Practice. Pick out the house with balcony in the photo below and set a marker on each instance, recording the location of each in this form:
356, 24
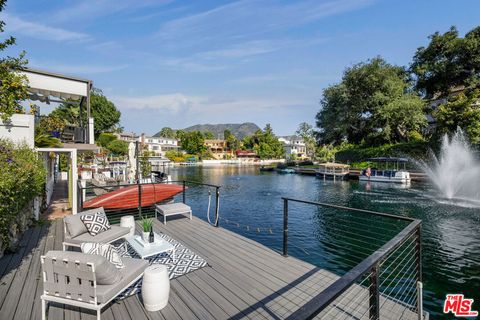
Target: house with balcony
218, 148
158, 145
127, 136
294, 147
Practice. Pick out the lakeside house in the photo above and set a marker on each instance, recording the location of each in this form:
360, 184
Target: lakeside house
127, 136
158, 145
247, 156
437, 100
294, 147
218, 148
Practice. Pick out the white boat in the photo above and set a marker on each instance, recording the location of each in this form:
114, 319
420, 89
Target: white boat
394, 174
332, 170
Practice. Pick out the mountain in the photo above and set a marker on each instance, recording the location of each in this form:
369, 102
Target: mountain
239, 130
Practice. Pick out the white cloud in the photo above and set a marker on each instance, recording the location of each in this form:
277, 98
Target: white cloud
90, 10
41, 31
258, 47
178, 110
241, 19
178, 103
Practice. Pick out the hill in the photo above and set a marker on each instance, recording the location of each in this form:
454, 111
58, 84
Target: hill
239, 130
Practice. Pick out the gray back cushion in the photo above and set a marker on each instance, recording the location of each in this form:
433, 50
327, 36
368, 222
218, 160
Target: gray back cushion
105, 272
75, 225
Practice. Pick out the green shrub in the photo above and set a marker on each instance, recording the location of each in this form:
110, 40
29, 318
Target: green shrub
412, 150
22, 178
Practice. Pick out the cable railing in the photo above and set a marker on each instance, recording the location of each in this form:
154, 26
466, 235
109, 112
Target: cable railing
142, 209
376, 255
385, 283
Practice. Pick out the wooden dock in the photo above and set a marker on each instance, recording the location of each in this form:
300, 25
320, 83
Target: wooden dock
244, 280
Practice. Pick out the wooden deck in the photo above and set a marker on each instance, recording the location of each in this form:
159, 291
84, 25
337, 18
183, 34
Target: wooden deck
244, 279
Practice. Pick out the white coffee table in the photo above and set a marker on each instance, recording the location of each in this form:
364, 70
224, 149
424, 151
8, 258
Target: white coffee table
146, 250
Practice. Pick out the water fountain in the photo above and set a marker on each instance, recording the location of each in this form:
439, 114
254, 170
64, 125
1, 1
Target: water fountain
455, 171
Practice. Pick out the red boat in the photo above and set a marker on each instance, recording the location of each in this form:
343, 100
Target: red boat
127, 198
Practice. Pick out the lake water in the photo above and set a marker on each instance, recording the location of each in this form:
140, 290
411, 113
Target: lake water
251, 205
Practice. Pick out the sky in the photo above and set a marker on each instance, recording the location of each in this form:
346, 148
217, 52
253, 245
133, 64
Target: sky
179, 63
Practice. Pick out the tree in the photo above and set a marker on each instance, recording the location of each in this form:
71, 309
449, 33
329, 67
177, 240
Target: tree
118, 147
105, 115
364, 106
448, 61
105, 138
232, 141
460, 111
331, 120
208, 135
305, 131
13, 86
145, 166
167, 132
179, 134
193, 142
265, 144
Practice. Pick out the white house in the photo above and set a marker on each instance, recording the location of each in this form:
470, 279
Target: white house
158, 145
294, 147
127, 136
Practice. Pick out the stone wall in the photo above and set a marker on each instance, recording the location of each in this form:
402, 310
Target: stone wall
22, 222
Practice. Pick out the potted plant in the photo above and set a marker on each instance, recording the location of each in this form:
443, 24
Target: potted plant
147, 226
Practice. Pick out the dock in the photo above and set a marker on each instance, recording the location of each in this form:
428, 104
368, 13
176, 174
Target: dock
243, 280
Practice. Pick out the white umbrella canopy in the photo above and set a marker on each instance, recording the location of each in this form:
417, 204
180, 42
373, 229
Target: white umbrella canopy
132, 162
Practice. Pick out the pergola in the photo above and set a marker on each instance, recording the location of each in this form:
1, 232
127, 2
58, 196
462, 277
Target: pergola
49, 87
45, 86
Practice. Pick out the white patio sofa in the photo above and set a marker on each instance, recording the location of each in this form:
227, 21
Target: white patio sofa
85, 280
75, 232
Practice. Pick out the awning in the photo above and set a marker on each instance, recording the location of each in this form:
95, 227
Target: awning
44, 84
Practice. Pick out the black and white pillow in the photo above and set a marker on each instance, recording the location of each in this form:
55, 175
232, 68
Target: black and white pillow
103, 249
95, 223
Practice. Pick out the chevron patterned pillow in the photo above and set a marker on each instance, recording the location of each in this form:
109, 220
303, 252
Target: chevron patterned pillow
95, 223
103, 249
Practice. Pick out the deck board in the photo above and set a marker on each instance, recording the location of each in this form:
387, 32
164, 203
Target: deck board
243, 279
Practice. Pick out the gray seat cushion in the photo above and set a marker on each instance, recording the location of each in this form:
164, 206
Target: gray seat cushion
173, 208
75, 225
108, 236
105, 272
133, 269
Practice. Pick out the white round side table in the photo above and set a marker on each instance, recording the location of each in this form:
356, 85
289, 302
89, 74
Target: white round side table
129, 222
155, 287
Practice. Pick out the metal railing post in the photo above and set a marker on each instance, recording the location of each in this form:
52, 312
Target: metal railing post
420, 300
418, 241
183, 193
217, 206
374, 302
285, 227
139, 199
